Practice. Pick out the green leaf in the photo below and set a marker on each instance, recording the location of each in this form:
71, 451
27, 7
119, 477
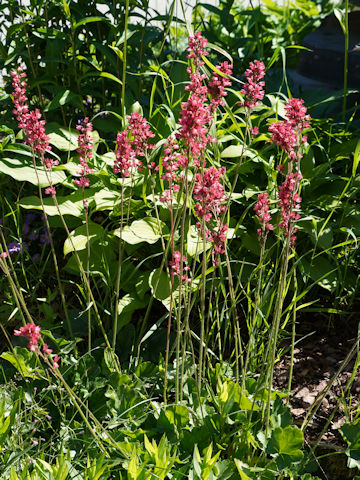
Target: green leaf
21, 169
89, 20
351, 434
160, 284
195, 244
356, 158
127, 305
286, 444
236, 151
62, 138
63, 97
24, 361
145, 230
79, 238
70, 205
240, 465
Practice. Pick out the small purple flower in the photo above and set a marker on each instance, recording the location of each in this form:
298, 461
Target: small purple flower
45, 237
36, 257
33, 235
14, 247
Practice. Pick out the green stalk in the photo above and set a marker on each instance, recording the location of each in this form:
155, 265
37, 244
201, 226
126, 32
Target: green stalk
63, 301
292, 338
120, 253
346, 57
86, 212
124, 62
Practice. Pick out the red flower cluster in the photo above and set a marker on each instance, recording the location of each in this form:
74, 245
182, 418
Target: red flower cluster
296, 114
253, 88
125, 155
85, 145
32, 333
217, 85
30, 121
209, 192
131, 143
141, 134
178, 266
197, 48
284, 135
287, 134
172, 162
290, 204
262, 211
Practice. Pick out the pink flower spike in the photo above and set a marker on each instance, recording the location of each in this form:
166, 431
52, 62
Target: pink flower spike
262, 211
253, 88
85, 145
3, 255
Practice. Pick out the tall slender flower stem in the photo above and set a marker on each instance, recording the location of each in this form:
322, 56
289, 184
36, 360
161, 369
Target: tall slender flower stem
56, 266
120, 254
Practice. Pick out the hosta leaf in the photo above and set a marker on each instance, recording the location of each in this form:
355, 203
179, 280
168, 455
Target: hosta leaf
64, 139
145, 230
21, 169
70, 205
79, 238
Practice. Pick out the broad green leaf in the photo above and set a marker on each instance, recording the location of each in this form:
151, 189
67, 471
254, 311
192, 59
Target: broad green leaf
351, 434
79, 237
70, 205
21, 169
106, 199
236, 151
64, 139
160, 284
127, 306
195, 243
286, 444
145, 230
24, 361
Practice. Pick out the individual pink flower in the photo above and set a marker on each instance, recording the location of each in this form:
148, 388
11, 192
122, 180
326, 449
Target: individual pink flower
50, 191
253, 88
290, 205
46, 349
85, 145
262, 211
178, 267
32, 333
3, 255
56, 361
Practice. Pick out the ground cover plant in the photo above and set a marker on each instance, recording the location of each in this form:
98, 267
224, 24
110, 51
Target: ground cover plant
158, 254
